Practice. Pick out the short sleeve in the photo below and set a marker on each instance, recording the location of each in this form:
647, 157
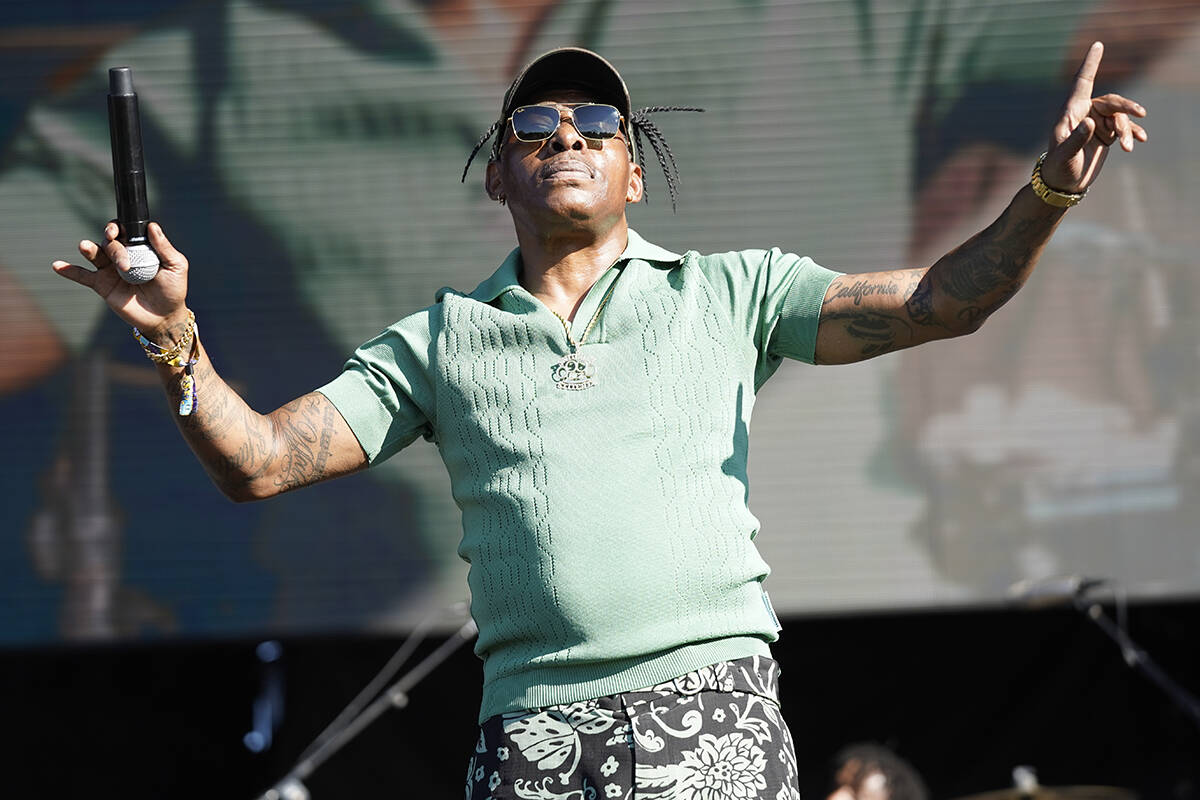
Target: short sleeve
385, 392
791, 308
773, 297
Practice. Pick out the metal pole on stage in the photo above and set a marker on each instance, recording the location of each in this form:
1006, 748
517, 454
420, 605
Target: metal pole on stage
1076, 590
1138, 659
334, 738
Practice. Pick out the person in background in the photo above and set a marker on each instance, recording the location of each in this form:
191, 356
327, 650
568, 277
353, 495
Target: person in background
867, 771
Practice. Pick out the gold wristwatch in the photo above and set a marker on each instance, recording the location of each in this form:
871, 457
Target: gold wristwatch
1048, 195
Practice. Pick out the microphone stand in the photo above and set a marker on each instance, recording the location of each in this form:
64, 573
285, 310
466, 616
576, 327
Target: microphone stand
1137, 658
292, 787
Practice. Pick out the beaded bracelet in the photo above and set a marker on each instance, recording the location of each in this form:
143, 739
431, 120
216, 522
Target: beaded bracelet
159, 354
174, 357
187, 380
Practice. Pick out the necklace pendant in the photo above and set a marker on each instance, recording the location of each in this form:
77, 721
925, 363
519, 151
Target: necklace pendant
573, 373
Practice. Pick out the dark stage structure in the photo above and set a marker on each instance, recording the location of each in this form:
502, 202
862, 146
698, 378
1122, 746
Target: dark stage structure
964, 696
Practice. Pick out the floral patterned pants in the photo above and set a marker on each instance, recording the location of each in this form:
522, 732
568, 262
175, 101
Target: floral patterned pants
713, 734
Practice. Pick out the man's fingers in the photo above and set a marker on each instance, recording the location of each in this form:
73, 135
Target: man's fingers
1124, 130
1116, 104
116, 254
84, 277
1119, 127
1063, 129
1106, 130
1110, 129
170, 257
1078, 138
1117, 113
1086, 76
93, 253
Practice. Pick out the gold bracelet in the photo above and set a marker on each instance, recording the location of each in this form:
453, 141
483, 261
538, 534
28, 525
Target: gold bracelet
1051, 196
174, 356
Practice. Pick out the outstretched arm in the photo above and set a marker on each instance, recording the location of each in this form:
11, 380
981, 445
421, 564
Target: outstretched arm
249, 455
868, 314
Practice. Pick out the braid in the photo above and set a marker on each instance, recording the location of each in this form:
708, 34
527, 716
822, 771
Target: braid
659, 109
482, 140
666, 158
658, 144
641, 151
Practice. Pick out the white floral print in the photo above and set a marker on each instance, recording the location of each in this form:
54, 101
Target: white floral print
713, 734
729, 766
552, 736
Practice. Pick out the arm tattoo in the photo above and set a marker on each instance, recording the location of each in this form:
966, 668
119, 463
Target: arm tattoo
995, 260
233, 437
864, 288
863, 315
920, 304
239, 447
876, 332
305, 430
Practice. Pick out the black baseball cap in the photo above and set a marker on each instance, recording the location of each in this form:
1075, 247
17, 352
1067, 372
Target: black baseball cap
569, 68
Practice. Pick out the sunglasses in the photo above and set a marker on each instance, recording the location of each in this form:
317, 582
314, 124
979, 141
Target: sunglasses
598, 121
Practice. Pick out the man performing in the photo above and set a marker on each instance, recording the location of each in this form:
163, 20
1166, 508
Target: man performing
591, 401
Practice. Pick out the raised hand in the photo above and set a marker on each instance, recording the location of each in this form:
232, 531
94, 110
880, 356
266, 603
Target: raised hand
157, 307
1086, 129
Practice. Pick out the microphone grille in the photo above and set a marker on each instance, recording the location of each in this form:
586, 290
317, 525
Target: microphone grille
143, 264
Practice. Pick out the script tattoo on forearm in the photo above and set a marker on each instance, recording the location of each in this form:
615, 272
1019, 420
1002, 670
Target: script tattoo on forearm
231, 440
305, 430
251, 455
876, 331
865, 288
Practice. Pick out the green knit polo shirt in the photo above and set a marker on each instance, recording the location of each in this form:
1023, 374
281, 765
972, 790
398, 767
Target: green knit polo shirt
606, 527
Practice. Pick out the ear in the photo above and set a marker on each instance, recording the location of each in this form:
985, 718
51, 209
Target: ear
492, 182
633, 192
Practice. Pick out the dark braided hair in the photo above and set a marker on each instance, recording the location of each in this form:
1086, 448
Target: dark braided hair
482, 141
639, 123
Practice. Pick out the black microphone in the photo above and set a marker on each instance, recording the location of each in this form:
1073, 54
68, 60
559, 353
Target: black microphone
1053, 591
129, 176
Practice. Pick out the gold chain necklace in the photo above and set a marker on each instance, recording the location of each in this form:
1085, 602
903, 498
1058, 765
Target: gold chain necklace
574, 372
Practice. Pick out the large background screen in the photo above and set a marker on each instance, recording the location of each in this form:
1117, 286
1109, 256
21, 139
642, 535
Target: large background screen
306, 157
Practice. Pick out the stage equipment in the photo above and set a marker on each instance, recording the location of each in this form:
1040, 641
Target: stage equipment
268, 706
1057, 793
1026, 787
1075, 589
355, 718
129, 176
1058, 590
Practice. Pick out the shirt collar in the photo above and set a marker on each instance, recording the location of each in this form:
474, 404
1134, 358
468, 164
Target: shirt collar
647, 251
505, 277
